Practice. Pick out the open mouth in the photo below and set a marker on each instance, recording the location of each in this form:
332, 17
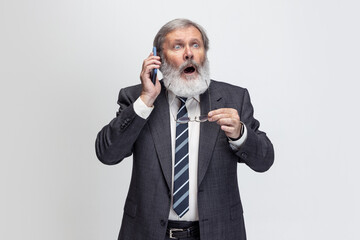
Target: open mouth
189, 70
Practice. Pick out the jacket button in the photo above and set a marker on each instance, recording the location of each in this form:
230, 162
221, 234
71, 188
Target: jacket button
244, 155
162, 222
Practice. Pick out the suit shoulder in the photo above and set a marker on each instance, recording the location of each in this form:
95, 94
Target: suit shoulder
132, 89
131, 92
227, 87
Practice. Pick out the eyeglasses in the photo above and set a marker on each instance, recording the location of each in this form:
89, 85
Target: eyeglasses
201, 118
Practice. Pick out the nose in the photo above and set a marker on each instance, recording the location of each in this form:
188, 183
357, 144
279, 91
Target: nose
188, 55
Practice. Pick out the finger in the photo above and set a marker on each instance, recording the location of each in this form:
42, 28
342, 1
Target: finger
224, 115
222, 111
228, 130
228, 122
151, 55
149, 68
145, 74
217, 117
150, 58
150, 64
231, 132
151, 61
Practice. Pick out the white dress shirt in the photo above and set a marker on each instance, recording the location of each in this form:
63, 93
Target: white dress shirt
193, 108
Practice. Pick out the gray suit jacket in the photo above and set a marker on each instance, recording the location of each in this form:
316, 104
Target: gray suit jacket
147, 205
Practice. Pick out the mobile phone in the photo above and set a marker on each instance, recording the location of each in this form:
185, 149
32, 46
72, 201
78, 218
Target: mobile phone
154, 71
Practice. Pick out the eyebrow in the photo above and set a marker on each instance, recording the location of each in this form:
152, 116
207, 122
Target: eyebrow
191, 40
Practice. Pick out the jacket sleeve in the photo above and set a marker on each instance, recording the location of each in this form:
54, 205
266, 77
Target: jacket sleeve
115, 141
257, 151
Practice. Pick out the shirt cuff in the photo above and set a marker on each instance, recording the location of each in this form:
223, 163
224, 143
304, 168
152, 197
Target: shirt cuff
235, 145
141, 109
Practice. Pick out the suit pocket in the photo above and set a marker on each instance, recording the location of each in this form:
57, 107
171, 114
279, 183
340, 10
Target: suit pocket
236, 211
130, 208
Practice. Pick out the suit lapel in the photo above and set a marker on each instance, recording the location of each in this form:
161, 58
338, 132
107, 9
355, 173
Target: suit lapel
208, 130
159, 124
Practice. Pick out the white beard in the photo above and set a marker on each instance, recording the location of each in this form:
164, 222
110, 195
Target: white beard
189, 87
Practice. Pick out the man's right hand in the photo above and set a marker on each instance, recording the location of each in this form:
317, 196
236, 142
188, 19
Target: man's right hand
149, 91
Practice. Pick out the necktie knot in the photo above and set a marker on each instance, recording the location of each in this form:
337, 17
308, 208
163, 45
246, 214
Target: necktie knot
182, 100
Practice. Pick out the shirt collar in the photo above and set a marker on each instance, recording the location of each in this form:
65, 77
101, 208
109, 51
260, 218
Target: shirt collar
172, 97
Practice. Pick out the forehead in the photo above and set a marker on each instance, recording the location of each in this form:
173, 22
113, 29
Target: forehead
184, 34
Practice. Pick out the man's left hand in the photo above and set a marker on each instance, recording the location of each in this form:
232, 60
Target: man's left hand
228, 119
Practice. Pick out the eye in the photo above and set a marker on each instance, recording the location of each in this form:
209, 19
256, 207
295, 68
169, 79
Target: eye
177, 47
195, 45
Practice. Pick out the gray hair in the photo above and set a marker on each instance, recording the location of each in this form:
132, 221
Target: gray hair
174, 25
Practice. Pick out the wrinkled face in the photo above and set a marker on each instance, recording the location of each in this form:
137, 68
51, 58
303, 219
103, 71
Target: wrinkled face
182, 45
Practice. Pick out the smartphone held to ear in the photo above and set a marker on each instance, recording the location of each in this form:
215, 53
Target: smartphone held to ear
154, 71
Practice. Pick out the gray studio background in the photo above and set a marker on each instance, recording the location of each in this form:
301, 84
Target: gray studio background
62, 64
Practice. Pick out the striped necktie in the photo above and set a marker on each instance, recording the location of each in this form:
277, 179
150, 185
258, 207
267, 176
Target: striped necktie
181, 166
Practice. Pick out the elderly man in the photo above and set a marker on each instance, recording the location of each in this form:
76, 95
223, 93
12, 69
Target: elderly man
186, 134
